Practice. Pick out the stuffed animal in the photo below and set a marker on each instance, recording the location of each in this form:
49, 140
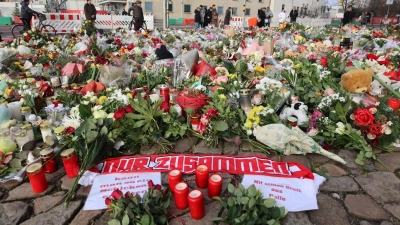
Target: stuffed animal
298, 110
378, 87
357, 81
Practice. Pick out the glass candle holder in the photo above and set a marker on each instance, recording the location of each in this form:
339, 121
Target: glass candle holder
29, 131
36, 177
59, 132
5, 133
164, 92
48, 160
214, 185
25, 112
71, 162
15, 110
195, 121
45, 130
196, 204
292, 121
245, 99
181, 195
201, 176
174, 177
21, 137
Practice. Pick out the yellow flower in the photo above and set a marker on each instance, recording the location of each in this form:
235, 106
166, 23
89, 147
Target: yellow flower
129, 95
103, 99
259, 69
221, 96
232, 76
298, 66
248, 123
16, 63
257, 120
92, 65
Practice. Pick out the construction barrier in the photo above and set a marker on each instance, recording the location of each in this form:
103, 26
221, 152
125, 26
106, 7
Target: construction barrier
110, 22
239, 22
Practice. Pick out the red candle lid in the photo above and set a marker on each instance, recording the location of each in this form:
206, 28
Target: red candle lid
215, 178
194, 194
174, 173
202, 168
181, 186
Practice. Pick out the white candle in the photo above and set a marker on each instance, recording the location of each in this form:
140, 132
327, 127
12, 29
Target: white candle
55, 81
15, 110
178, 109
64, 80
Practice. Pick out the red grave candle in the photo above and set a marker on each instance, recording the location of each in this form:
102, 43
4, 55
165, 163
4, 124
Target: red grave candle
201, 176
35, 173
196, 204
174, 177
71, 162
214, 185
181, 195
49, 162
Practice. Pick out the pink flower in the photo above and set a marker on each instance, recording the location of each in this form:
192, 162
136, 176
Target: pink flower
222, 79
116, 194
317, 113
329, 91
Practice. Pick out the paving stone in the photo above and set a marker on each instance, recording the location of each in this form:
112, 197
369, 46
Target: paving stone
184, 145
386, 223
150, 150
9, 185
103, 220
45, 203
349, 156
175, 211
297, 158
225, 182
364, 207
393, 209
296, 218
57, 216
1, 194
24, 191
201, 148
85, 216
246, 146
230, 148
318, 158
330, 212
14, 212
390, 160
365, 223
333, 170
340, 184
211, 210
67, 183
84, 191
384, 187
56, 176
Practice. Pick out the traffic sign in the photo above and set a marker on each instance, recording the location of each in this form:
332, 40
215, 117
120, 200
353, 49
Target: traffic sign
389, 2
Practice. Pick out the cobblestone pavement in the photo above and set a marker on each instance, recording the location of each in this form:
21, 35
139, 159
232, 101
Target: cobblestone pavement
353, 194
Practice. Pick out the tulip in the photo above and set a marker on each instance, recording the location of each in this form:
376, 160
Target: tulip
116, 194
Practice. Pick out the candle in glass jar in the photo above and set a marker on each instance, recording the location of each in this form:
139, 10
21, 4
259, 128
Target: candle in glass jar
178, 109
164, 92
36, 177
292, 121
5, 133
29, 131
196, 204
59, 132
48, 160
45, 130
15, 110
64, 80
55, 81
214, 185
245, 99
174, 177
181, 192
25, 112
201, 176
195, 121
21, 137
71, 162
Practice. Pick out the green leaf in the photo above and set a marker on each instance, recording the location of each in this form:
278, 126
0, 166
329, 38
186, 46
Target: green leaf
140, 123
269, 202
244, 200
252, 202
368, 154
217, 198
230, 201
238, 192
252, 190
217, 219
339, 108
15, 163
85, 111
271, 222
145, 220
221, 125
359, 162
125, 219
231, 188
114, 222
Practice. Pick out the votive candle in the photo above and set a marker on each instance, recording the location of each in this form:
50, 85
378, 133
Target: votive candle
71, 162
181, 195
48, 160
214, 185
15, 110
174, 177
201, 176
196, 204
36, 177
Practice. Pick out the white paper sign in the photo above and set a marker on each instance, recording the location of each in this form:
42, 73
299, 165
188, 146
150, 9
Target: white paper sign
104, 185
389, 2
294, 193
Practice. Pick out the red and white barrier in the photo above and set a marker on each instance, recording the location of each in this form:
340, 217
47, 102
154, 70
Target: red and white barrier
236, 22
111, 22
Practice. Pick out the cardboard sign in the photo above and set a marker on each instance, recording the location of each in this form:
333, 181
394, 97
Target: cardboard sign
105, 184
295, 194
216, 163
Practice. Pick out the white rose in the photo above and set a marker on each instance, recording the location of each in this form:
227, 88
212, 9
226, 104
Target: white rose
101, 114
341, 128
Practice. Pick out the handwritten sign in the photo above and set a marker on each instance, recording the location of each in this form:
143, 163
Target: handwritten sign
105, 184
295, 194
216, 163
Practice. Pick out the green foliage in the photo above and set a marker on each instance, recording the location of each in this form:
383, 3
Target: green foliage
247, 206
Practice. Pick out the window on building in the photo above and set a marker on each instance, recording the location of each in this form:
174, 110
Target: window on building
283, 6
234, 11
247, 12
220, 10
248, 0
148, 6
170, 7
186, 8
260, 1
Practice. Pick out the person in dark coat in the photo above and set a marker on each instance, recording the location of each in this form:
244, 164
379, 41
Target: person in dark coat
261, 17
197, 17
293, 15
348, 16
207, 17
228, 16
27, 13
163, 53
137, 14
90, 11
124, 13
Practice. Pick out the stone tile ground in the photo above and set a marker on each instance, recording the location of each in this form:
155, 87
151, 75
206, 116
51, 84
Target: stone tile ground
352, 195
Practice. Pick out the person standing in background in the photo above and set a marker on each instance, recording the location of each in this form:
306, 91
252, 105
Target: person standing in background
282, 16
202, 15
228, 16
293, 15
207, 17
268, 16
90, 11
348, 16
197, 17
214, 18
261, 17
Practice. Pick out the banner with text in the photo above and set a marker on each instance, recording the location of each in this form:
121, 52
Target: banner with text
105, 184
295, 194
216, 163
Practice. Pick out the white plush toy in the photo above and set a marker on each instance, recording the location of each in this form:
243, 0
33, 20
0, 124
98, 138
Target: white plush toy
297, 109
378, 87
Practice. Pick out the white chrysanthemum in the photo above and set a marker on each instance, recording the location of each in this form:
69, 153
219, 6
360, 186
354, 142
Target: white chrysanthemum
72, 121
118, 96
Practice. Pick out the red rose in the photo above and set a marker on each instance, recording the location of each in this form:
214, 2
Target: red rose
372, 57
116, 194
375, 129
324, 61
150, 183
158, 187
128, 194
27, 37
129, 109
108, 201
363, 117
119, 114
349, 63
69, 130
212, 112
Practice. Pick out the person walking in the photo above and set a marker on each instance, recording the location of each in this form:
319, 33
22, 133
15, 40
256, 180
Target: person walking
207, 17
293, 15
261, 17
214, 17
27, 13
202, 15
228, 16
90, 11
282, 16
197, 17
137, 15
268, 16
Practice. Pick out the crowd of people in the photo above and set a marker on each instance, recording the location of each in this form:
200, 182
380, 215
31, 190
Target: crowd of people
203, 17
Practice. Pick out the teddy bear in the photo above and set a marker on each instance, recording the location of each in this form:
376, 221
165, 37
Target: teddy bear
357, 82
378, 87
